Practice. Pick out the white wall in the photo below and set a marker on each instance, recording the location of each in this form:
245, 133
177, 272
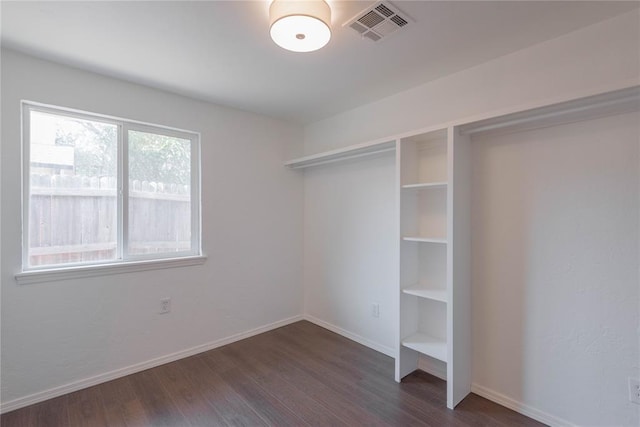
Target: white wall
601, 57
57, 333
598, 58
555, 268
349, 248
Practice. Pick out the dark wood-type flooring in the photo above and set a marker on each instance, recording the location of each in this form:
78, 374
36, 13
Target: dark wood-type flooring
298, 375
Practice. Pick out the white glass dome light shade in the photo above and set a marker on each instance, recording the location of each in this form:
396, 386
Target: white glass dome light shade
300, 33
300, 25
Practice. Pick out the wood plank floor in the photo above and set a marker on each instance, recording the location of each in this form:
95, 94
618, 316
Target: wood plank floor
298, 375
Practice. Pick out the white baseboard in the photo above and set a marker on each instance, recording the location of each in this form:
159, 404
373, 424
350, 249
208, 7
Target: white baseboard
118, 373
422, 364
520, 407
353, 337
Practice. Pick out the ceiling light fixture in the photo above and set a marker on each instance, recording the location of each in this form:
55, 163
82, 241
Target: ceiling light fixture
300, 25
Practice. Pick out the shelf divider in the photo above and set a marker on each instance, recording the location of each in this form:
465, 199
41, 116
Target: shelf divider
424, 239
431, 294
425, 185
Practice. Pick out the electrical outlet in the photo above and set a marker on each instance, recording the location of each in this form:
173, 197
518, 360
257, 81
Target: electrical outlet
165, 305
375, 309
634, 390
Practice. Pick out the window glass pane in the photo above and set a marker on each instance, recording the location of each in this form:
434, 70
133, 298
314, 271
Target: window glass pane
72, 201
159, 193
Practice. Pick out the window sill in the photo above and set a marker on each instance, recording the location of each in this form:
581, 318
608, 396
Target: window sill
79, 272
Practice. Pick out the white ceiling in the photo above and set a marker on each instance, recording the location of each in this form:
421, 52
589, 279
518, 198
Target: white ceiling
220, 51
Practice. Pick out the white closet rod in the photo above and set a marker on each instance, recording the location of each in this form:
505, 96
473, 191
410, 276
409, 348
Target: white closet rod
617, 102
339, 159
610, 103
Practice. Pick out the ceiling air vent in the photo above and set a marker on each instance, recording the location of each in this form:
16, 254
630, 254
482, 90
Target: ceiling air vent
377, 21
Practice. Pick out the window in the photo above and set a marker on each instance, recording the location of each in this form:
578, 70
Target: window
100, 190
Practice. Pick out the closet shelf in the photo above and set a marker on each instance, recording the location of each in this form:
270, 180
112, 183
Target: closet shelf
425, 185
432, 294
351, 152
590, 107
426, 344
424, 239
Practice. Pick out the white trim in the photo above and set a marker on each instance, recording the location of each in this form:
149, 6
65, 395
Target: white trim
118, 373
105, 118
423, 364
122, 199
124, 126
25, 152
519, 407
196, 194
353, 337
93, 270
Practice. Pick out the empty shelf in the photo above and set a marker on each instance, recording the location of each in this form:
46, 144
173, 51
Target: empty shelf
428, 345
424, 239
432, 294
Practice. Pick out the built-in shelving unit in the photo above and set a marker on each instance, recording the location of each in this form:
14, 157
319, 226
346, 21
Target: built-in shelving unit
431, 230
433, 201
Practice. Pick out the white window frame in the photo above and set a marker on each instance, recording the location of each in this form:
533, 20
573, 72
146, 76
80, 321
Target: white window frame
124, 262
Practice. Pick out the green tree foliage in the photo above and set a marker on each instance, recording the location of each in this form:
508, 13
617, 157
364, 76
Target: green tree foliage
152, 157
159, 158
95, 145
